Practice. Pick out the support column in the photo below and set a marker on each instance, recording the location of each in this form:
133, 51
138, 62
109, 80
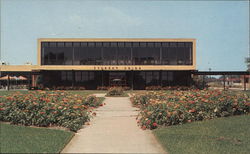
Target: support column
8, 83
73, 78
224, 81
203, 81
102, 78
160, 78
132, 85
244, 78
33, 80
30, 79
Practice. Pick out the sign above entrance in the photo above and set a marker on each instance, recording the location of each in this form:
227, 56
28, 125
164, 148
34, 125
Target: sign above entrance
117, 68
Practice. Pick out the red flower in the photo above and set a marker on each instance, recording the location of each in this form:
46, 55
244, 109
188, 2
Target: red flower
143, 127
2, 109
192, 110
155, 124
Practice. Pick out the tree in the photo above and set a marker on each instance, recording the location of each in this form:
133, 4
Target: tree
248, 63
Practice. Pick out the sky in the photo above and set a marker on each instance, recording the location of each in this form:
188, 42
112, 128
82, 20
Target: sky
220, 27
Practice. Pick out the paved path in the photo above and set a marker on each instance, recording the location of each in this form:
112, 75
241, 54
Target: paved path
114, 130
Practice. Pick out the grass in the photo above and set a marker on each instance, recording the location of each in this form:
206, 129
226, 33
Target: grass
21, 139
5, 92
86, 92
218, 136
81, 92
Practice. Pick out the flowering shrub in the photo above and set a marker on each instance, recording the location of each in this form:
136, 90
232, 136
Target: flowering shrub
115, 91
153, 88
107, 88
48, 108
178, 107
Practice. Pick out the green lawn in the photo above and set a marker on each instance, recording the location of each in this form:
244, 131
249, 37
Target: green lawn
5, 92
87, 92
218, 136
82, 92
21, 139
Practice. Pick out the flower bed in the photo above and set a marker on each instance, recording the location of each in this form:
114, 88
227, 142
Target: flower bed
48, 108
115, 91
178, 107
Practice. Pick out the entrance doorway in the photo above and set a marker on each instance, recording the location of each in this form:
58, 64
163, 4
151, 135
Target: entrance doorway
117, 79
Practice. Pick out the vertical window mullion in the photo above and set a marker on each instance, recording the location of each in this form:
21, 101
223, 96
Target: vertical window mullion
73, 55
131, 54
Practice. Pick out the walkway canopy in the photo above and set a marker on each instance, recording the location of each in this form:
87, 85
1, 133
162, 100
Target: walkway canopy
245, 75
7, 77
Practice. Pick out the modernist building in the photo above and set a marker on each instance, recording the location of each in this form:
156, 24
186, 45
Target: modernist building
93, 63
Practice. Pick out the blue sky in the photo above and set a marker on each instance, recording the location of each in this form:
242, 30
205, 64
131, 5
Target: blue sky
220, 27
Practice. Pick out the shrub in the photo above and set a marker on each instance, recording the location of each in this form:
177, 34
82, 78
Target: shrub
179, 107
153, 88
102, 88
46, 108
115, 91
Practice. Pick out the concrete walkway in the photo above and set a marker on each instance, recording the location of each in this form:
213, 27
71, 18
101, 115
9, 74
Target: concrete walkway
114, 130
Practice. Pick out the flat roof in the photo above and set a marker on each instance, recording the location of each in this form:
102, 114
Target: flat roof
221, 72
29, 68
118, 39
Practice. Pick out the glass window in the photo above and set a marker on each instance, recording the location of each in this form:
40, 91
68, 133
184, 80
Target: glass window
85, 76
84, 44
167, 78
128, 44
146, 56
165, 44
181, 44
113, 44
68, 44
91, 44
45, 44
60, 44
116, 53
98, 44
121, 44
78, 76
106, 44
66, 76
157, 44
150, 44
58, 56
52, 44
169, 56
76, 44
181, 53
87, 56
143, 44
139, 80
135, 44
91, 76
124, 56
173, 44
109, 56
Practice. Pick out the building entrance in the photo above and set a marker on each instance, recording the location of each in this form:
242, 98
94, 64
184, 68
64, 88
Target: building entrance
117, 79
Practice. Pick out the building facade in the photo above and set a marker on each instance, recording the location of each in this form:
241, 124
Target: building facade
93, 63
